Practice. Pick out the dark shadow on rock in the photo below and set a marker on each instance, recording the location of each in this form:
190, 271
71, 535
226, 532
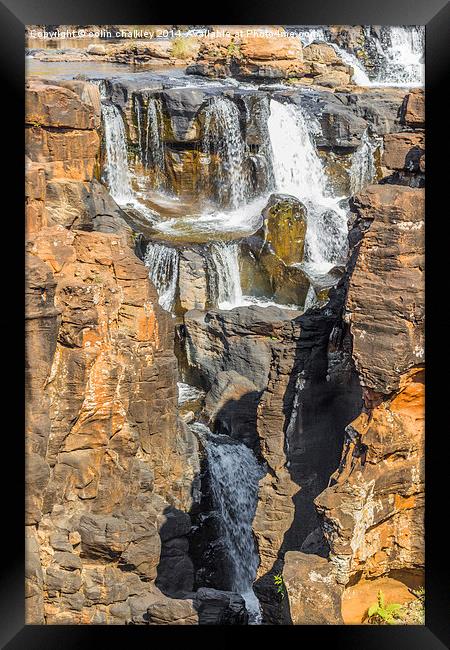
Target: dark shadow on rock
325, 383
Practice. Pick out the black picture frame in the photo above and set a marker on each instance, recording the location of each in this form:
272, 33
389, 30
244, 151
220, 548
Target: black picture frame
435, 15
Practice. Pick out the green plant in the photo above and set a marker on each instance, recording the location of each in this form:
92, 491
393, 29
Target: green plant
232, 49
279, 583
380, 612
183, 47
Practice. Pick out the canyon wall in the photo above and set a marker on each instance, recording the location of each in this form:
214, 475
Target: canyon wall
372, 512
328, 395
111, 470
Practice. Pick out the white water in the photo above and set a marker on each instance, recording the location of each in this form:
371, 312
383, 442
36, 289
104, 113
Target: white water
154, 145
359, 76
118, 175
138, 111
188, 393
162, 263
234, 476
117, 171
403, 49
151, 145
298, 171
243, 220
362, 170
222, 135
222, 264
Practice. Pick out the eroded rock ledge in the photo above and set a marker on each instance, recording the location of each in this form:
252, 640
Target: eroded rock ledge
371, 514
111, 470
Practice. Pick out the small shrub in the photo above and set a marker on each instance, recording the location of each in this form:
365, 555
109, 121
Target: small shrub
279, 583
183, 47
382, 613
233, 49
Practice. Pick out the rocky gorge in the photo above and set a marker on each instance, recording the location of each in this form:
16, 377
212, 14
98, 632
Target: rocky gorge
225, 329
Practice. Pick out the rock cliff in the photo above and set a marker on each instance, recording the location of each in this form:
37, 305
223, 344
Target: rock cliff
111, 469
214, 308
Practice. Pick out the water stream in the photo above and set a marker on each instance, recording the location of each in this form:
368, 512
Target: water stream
222, 136
299, 171
222, 265
362, 170
163, 262
234, 474
400, 51
116, 163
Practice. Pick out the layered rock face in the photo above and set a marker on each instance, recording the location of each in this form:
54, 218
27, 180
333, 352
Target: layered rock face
371, 514
381, 472
277, 57
122, 526
109, 466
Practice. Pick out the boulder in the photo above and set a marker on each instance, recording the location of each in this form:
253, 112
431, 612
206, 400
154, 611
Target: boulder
220, 607
413, 114
192, 284
230, 406
285, 228
56, 106
240, 339
404, 151
270, 258
259, 48
321, 53
249, 57
314, 596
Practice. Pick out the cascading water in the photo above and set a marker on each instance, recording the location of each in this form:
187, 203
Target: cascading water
359, 75
117, 171
138, 111
362, 170
162, 263
118, 174
154, 146
403, 50
400, 52
222, 264
234, 476
299, 171
150, 143
222, 137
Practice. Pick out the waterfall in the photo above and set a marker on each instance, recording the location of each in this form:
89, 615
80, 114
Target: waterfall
400, 52
359, 76
299, 171
188, 393
154, 146
162, 263
297, 168
117, 172
234, 476
137, 110
150, 143
224, 282
403, 50
222, 271
222, 137
362, 170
